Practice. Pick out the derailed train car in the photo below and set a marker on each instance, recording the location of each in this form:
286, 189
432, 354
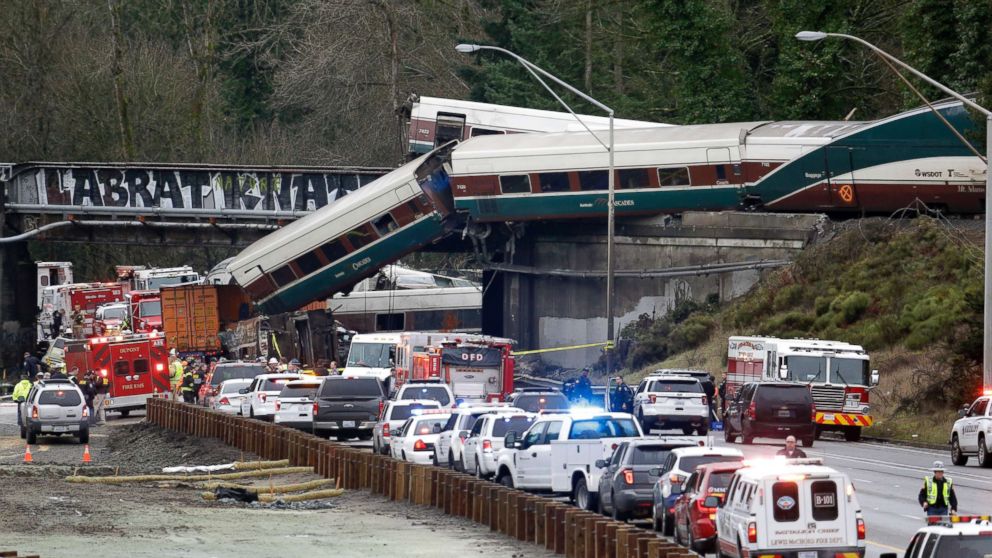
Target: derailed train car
839, 167
350, 239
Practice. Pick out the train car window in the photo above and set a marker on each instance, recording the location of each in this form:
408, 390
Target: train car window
261, 286
514, 184
674, 176
416, 208
308, 263
385, 224
333, 251
389, 322
554, 181
359, 237
284, 275
633, 178
594, 180
486, 132
721, 173
449, 127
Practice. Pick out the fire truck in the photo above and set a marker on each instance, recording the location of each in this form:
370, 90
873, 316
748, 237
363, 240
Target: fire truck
145, 311
838, 375
477, 367
136, 366
66, 298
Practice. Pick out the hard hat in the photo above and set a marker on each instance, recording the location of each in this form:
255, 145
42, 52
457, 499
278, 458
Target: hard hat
172, 351
273, 360
938, 466
295, 361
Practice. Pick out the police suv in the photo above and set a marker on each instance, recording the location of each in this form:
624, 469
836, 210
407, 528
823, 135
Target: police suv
953, 536
972, 433
793, 508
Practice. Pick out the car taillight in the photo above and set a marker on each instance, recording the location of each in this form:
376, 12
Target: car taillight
704, 400
487, 446
752, 411
653, 398
278, 404
861, 529
419, 445
262, 397
34, 411
628, 476
224, 401
316, 407
752, 531
382, 405
385, 430
86, 411
701, 508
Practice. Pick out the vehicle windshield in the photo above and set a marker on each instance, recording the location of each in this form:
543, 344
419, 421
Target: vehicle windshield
371, 355
849, 371
159, 282
427, 426
603, 427
689, 463
403, 412
954, 546
62, 398
675, 386
434, 393
650, 455
782, 394
233, 387
222, 373
351, 387
111, 313
150, 308
720, 481
502, 425
806, 369
536, 402
309, 391
276, 384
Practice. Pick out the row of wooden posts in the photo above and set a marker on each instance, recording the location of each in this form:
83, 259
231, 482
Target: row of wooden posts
556, 526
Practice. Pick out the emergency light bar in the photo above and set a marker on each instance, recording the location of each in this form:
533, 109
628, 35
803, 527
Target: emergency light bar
952, 519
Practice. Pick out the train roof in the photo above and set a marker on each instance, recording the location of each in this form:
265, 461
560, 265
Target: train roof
510, 117
343, 209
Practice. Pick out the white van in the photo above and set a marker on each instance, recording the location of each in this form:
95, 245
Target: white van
372, 354
790, 508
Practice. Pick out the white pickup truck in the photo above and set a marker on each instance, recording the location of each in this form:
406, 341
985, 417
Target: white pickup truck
558, 453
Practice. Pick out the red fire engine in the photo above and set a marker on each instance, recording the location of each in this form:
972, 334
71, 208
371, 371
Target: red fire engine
135, 365
145, 309
477, 367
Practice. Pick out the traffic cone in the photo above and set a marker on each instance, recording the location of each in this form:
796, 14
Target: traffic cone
86, 454
27, 453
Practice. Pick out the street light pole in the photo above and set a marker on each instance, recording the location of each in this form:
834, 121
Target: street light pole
987, 333
610, 250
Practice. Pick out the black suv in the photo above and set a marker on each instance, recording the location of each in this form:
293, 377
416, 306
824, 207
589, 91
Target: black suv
348, 407
625, 487
770, 410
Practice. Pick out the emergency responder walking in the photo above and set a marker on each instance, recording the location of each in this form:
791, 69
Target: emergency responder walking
102, 388
88, 385
622, 398
175, 373
20, 393
937, 495
199, 376
186, 387
790, 451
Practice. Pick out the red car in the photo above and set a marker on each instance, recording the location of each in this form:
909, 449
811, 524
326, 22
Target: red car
695, 525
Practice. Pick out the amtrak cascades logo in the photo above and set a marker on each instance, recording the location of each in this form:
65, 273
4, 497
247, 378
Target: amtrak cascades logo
785, 503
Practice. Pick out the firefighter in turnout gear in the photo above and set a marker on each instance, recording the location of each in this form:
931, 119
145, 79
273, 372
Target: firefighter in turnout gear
937, 495
186, 387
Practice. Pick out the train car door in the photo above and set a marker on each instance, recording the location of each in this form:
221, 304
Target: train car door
841, 190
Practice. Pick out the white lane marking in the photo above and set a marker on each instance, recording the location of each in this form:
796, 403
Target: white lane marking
913, 517
866, 481
903, 466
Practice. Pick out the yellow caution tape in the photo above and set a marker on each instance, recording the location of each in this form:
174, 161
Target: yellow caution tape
605, 344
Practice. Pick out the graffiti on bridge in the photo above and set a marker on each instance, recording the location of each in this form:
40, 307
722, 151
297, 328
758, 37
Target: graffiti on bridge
195, 189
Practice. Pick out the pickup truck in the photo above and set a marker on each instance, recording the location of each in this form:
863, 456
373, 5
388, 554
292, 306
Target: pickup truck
348, 407
558, 453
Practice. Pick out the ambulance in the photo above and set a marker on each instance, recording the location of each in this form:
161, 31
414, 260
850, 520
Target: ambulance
135, 365
789, 508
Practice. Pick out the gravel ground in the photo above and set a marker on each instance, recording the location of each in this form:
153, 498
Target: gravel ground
40, 513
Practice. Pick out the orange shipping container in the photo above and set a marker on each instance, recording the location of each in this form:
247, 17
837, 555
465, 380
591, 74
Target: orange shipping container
193, 314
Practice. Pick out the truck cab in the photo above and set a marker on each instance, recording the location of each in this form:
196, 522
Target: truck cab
146, 311
372, 354
558, 453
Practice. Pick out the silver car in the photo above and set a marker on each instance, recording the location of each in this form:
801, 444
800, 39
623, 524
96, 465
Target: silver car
228, 398
54, 408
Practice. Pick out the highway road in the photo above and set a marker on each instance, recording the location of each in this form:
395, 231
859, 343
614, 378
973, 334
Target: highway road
887, 480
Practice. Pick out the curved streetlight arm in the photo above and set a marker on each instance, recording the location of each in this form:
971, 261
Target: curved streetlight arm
914, 71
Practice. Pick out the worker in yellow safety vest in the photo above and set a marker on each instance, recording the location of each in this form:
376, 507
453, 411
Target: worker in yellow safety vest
175, 372
937, 495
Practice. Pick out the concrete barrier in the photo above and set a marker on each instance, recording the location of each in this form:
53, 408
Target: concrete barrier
558, 527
